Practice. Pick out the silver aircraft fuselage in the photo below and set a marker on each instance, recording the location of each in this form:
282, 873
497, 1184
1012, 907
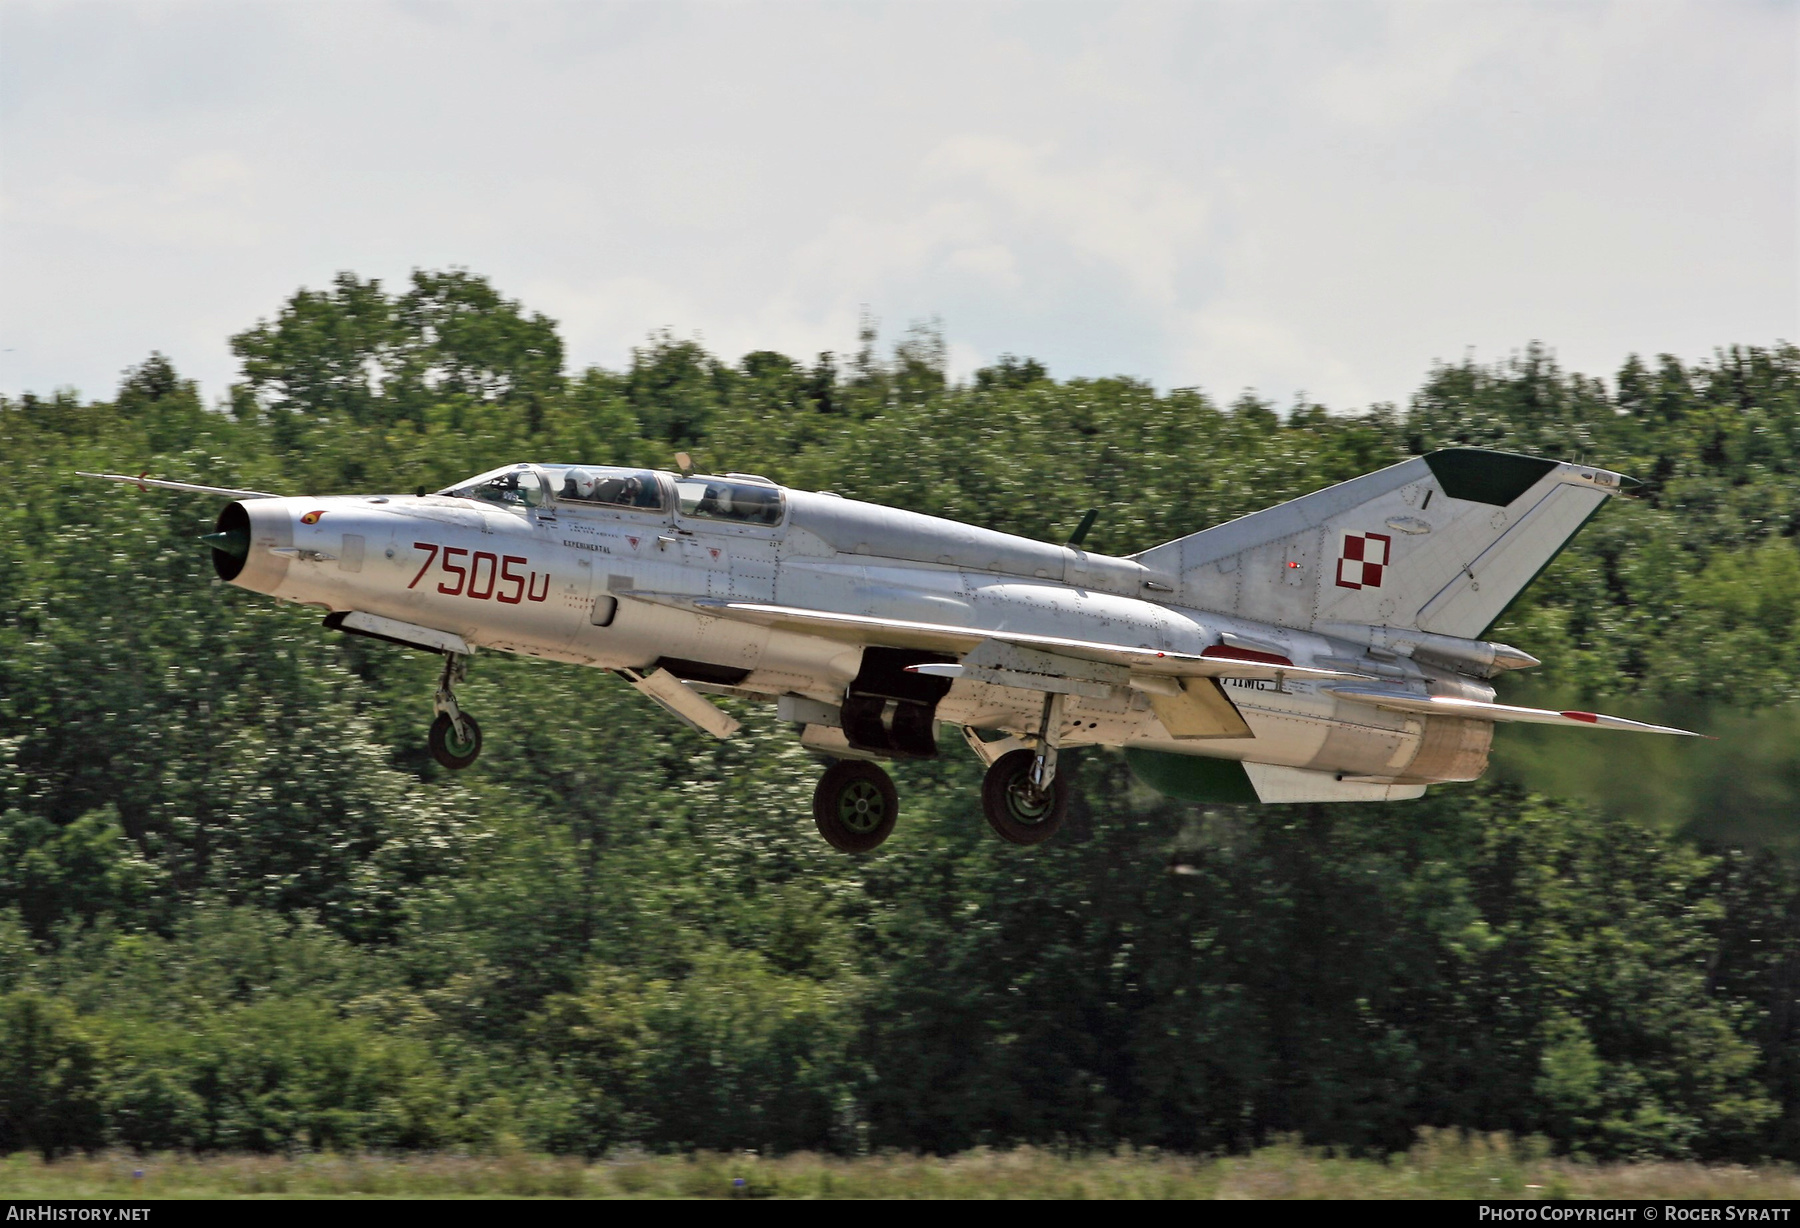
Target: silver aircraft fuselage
558, 582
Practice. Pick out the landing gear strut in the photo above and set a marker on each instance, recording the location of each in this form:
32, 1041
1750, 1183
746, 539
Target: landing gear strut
1023, 797
455, 737
855, 806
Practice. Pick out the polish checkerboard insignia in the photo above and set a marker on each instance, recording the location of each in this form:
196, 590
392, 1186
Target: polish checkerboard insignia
1364, 557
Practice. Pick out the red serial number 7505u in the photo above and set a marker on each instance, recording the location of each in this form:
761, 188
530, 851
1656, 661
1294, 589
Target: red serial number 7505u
470, 581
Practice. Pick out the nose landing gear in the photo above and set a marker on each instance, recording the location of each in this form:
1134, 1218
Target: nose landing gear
455, 738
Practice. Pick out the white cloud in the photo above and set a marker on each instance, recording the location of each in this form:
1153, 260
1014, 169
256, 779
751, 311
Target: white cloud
1117, 211
204, 200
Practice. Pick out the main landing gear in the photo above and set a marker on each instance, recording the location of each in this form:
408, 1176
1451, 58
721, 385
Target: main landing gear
855, 806
455, 737
1022, 796
1019, 808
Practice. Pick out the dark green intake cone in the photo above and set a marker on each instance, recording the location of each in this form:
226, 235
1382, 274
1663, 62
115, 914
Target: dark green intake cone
234, 542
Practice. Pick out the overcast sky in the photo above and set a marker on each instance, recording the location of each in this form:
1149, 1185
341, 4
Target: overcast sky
1287, 196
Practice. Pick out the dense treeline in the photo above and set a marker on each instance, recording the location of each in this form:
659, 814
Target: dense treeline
240, 908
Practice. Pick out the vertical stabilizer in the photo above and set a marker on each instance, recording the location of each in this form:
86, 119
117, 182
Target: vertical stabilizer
1439, 543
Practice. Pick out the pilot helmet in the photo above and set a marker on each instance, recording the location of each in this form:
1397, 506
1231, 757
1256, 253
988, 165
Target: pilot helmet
582, 482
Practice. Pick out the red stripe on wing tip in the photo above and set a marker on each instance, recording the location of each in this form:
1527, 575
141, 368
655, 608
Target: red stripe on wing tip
1589, 717
1227, 653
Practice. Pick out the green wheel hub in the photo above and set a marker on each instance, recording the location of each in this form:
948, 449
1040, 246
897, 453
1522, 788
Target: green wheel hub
1018, 813
455, 745
453, 752
861, 807
855, 806
1023, 803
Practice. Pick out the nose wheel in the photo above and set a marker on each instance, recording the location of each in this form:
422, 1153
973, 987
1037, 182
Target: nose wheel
855, 806
455, 738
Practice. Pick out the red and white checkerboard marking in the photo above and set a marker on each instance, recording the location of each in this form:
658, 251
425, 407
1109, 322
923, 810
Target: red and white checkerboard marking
1363, 558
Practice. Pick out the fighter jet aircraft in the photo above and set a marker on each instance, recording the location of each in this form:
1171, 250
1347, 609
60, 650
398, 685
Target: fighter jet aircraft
1327, 649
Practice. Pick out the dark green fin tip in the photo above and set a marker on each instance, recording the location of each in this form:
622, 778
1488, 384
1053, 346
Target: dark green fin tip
1483, 476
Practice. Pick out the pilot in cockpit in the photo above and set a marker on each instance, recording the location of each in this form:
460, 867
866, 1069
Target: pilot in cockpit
578, 484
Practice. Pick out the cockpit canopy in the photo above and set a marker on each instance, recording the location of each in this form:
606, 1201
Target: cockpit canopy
747, 501
597, 484
527, 486
740, 499
513, 486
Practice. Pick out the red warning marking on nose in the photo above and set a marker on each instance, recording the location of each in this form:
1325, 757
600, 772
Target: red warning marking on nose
1589, 717
1361, 562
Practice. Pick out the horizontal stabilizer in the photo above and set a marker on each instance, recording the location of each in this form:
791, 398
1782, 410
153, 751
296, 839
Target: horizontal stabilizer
1432, 705
940, 637
141, 482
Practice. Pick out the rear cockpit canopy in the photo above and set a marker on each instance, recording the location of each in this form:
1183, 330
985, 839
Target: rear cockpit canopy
745, 500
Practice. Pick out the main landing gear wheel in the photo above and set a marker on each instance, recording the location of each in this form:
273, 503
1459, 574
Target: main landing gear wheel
1018, 813
455, 753
855, 806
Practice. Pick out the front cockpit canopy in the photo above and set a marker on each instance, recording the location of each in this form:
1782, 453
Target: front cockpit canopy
520, 486
532, 486
603, 486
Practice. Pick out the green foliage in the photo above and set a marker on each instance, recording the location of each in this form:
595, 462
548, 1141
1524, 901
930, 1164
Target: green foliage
49, 1075
1442, 1164
734, 1051
241, 909
83, 869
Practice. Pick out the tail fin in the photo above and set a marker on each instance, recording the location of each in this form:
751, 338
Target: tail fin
1439, 543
